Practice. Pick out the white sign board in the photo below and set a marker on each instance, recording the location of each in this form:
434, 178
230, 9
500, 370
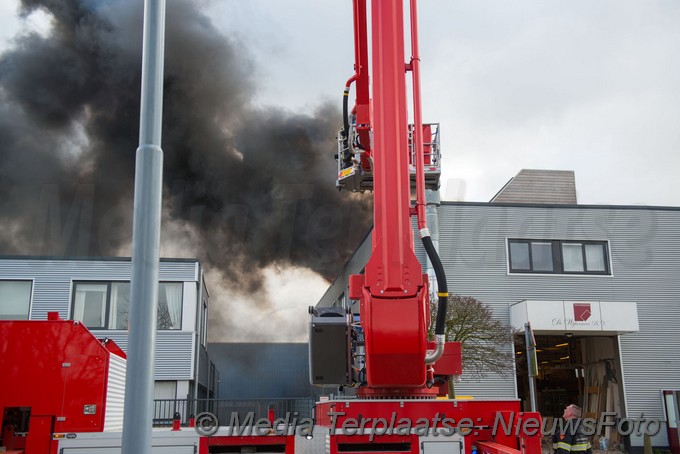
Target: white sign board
619, 316
580, 317
545, 315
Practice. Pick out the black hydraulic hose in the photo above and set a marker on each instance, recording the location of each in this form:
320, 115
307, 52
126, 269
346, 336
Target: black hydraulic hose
443, 288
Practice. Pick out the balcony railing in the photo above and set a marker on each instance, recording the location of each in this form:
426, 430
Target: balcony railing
225, 409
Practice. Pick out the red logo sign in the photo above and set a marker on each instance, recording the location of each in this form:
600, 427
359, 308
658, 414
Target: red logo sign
582, 312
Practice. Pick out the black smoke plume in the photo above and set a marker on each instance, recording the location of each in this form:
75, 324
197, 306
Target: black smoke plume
248, 187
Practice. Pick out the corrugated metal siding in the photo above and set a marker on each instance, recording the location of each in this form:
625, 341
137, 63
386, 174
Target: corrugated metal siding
173, 352
418, 245
53, 277
645, 246
115, 394
173, 356
178, 271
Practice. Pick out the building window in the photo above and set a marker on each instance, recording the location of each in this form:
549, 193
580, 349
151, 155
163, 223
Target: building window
558, 256
120, 305
105, 305
15, 300
169, 306
90, 305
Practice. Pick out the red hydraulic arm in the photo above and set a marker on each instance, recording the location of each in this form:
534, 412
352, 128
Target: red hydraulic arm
393, 291
362, 108
396, 372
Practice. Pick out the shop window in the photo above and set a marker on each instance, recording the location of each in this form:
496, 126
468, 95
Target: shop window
558, 256
106, 305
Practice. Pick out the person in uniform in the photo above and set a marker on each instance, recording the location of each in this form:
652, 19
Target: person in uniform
571, 438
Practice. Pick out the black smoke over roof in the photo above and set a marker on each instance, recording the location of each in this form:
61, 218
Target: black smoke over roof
247, 187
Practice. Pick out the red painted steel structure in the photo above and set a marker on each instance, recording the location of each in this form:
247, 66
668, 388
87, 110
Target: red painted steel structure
393, 292
407, 444
486, 424
54, 368
248, 443
362, 108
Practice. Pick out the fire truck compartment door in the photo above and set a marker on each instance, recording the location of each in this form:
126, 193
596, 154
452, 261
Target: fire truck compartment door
441, 447
154, 450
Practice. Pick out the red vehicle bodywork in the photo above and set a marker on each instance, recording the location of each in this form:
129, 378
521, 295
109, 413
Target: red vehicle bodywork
55, 368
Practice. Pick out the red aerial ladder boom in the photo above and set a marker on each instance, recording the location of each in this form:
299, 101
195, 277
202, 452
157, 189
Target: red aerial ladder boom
380, 151
393, 291
385, 355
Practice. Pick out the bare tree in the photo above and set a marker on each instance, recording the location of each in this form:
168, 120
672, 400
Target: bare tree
486, 340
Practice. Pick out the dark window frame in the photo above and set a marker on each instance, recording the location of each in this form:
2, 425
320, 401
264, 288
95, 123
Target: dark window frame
108, 303
557, 258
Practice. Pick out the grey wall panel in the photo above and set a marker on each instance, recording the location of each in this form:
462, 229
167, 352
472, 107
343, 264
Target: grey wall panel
173, 356
173, 352
492, 386
418, 244
178, 271
645, 252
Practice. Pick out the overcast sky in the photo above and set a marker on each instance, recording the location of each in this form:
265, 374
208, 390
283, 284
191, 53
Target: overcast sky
590, 86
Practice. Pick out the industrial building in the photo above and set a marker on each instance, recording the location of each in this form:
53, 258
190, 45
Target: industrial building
598, 283
95, 291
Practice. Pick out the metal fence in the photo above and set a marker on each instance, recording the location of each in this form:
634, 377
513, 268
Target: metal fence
226, 410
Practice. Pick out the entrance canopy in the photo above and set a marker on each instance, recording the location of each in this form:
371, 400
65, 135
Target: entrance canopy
606, 318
